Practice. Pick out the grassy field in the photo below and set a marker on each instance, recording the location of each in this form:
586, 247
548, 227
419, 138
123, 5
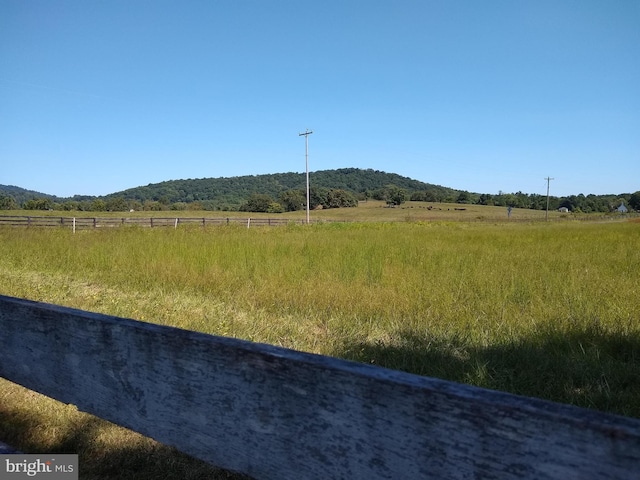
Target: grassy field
369, 211
544, 309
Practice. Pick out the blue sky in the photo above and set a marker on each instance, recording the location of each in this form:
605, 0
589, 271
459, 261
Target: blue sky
485, 96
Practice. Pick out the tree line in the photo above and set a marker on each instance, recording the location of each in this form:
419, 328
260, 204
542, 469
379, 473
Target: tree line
573, 203
293, 200
330, 189
284, 192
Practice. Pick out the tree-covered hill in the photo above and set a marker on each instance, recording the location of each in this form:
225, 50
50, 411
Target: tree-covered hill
13, 197
285, 191
230, 193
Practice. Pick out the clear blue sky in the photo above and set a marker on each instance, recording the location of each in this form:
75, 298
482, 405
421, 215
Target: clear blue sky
485, 96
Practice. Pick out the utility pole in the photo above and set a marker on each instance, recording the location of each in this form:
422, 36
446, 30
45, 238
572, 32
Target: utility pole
306, 158
548, 179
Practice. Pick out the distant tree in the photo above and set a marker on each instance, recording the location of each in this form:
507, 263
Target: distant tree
152, 205
539, 202
257, 202
418, 197
522, 200
464, 197
98, 205
275, 207
394, 195
195, 206
83, 206
510, 200
135, 205
554, 203
634, 201
338, 198
70, 205
485, 199
364, 195
116, 204
378, 194
7, 202
293, 200
318, 197
38, 204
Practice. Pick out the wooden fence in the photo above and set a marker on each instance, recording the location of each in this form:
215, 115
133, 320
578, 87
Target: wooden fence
270, 412
102, 222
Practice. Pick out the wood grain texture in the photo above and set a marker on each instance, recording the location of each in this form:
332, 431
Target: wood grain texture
270, 412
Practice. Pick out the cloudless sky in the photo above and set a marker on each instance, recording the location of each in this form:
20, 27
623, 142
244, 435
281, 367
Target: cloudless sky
486, 96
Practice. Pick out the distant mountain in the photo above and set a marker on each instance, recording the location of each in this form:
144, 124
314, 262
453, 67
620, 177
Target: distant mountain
21, 195
230, 192
10, 195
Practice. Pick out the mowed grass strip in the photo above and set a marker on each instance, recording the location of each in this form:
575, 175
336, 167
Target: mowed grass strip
548, 310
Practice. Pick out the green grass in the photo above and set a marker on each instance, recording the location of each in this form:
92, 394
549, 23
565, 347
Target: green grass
369, 211
549, 310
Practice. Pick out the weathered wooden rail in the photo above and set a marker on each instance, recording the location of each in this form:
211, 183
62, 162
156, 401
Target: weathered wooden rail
104, 222
5, 449
270, 412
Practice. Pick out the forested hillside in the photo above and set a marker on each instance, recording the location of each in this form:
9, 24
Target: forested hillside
12, 197
287, 191
231, 193
329, 188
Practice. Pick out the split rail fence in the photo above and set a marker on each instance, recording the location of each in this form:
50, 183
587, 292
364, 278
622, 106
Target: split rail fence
103, 222
270, 412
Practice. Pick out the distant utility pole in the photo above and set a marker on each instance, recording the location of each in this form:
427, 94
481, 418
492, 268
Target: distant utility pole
306, 158
548, 179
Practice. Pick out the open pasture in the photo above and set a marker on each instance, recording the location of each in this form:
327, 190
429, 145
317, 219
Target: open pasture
549, 310
367, 211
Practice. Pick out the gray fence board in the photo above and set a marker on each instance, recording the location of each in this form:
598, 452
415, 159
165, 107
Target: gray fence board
270, 412
6, 449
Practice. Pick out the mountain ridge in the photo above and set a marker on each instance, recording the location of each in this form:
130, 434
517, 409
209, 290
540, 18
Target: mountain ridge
230, 193
226, 189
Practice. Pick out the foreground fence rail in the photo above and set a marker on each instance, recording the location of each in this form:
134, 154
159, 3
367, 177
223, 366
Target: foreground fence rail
104, 222
270, 412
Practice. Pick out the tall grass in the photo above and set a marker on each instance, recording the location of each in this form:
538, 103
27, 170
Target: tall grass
487, 284
548, 310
